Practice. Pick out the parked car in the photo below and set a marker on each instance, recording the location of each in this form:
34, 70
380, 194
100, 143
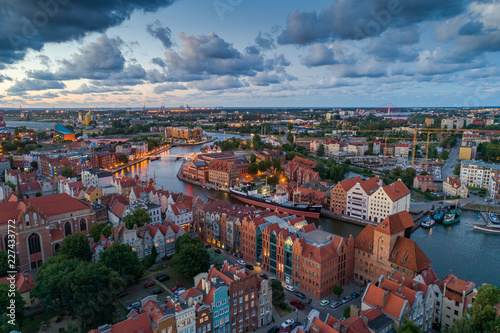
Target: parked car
180, 291
123, 293
273, 329
298, 304
208, 246
158, 291
149, 284
355, 295
174, 288
290, 288
241, 262
336, 305
287, 323
135, 305
299, 294
284, 330
218, 251
248, 266
264, 276
297, 323
346, 299
324, 302
163, 277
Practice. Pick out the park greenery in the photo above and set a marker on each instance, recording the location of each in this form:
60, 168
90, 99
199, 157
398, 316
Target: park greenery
138, 218
191, 257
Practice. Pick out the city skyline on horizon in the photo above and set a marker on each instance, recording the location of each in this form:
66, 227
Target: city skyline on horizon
327, 54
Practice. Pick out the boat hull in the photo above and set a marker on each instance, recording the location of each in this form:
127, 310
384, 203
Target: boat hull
278, 208
486, 229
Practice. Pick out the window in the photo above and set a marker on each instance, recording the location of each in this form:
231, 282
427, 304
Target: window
83, 225
27, 219
67, 228
34, 243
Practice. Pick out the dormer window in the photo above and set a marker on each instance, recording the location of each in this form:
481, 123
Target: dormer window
27, 219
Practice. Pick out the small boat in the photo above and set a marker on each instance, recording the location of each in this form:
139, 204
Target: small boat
493, 218
427, 223
452, 217
178, 158
478, 215
486, 228
438, 216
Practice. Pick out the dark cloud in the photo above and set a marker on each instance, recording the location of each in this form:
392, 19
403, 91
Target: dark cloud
265, 41
92, 89
20, 87
205, 56
159, 62
164, 34
32, 24
471, 28
101, 60
219, 83
319, 55
169, 87
345, 19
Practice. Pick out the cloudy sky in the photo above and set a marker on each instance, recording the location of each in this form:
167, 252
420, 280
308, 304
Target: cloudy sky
119, 53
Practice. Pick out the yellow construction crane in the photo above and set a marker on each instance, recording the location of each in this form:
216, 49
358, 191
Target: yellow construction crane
427, 147
414, 147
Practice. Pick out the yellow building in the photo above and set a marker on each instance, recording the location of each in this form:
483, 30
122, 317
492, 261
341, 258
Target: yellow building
93, 194
87, 119
465, 153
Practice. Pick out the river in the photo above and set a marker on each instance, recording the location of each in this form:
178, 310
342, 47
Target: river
38, 125
469, 254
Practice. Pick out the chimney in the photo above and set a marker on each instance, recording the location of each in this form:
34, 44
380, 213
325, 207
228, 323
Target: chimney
386, 295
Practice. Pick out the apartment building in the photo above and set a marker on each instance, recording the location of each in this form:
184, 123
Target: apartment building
477, 173
184, 133
452, 186
359, 195
338, 194
494, 185
402, 150
457, 297
388, 200
380, 250
425, 183
222, 174
96, 177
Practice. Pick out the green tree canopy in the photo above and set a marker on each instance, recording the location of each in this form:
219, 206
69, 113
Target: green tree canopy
100, 229
258, 144
253, 168
278, 291
139, 218
338, 290
123, 158
191, 260
185, 240
321, 150
67, 172
122, 259
409, 326
75, 246
262, 166
5, 303
277, 164
456, 169
253, 158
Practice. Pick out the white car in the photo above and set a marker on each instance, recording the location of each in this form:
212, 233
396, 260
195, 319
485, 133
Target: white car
287, 323
289, 288
241, 262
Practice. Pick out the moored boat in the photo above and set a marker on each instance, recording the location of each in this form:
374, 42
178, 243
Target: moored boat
451, 218
427, 223
493, 218
275, 201
438, 216
486, 228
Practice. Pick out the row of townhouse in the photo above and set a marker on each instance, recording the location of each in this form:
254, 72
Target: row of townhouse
369, 199
284, 245
229, 300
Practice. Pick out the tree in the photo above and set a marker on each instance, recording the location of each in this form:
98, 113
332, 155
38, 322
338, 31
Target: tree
215, 259
444, 155
253, 158
278, 292
191, 260
139, 218
407, 177
409, 326
337, 172
424, 173
75, 246
456, 169
347, 312
277, 164
122, 259
152, 256
6, 305
4, 267
258, 144
87, 289
338, 290
290, 155
186, 239
98, 230
34, 165
321, 150
67, 172
123, 158
482, 316
262, 166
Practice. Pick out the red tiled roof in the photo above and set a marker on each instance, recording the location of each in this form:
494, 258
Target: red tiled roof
396, 190
457, 285
323, 327
364, 240
220, 165
408, 254
76, 185
429, 276
57, 204
370, 185
10, 211
139, 323
396, 223
118, 208
453, 181
32, 186
24, 282
425, 178
349, 183
190, 293
90, 190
